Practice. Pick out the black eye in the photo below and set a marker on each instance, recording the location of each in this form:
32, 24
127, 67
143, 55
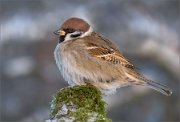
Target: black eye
69, 30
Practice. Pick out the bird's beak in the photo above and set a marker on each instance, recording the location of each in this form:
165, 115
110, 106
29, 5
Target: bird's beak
60, 33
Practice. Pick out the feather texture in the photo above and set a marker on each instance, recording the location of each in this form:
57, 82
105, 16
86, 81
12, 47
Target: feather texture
109, 55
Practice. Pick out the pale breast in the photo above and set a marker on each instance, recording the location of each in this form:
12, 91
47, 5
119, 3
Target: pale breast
67, 64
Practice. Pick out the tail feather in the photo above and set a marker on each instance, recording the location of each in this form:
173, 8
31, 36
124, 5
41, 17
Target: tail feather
139, 79
159, 87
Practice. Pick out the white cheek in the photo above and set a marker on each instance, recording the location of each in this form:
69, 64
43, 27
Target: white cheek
68, 37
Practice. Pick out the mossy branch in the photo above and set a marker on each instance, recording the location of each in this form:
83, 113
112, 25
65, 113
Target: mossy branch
78, 103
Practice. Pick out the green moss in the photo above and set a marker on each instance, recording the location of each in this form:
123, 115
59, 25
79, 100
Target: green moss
82, 103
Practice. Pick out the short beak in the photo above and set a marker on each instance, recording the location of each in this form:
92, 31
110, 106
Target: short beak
60, 32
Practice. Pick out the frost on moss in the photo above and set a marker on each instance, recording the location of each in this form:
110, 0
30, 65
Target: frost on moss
78, 103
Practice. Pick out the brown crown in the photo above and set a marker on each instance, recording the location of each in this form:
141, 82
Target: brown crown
76, 24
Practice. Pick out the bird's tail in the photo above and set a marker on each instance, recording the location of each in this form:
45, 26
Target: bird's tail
158, 87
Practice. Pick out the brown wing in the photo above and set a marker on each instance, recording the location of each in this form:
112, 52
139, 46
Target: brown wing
108, 54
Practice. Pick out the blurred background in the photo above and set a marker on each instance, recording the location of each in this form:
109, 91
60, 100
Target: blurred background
146, 31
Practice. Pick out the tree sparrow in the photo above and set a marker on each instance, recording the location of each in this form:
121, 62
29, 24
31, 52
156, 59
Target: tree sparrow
84, 56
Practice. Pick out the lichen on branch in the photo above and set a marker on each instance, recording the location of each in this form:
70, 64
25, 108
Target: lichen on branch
78, 103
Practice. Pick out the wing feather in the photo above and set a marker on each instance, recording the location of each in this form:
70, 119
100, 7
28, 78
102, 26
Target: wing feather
108, 54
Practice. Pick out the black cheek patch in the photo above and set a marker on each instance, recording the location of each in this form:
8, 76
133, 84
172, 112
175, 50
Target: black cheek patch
75, 35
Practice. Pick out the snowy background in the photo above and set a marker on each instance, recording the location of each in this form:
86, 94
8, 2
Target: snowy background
146, 31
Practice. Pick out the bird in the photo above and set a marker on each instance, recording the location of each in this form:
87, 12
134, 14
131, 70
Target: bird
84, 56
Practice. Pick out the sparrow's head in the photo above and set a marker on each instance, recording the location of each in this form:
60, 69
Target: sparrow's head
73, 28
